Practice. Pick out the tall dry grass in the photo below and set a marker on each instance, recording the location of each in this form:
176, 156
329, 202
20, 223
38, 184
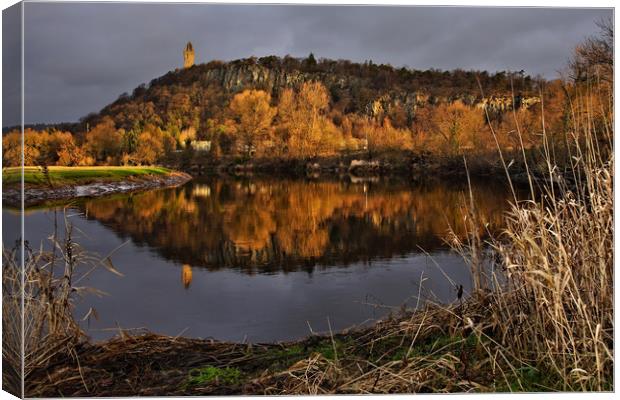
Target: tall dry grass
554, 310
544, 321
37, 305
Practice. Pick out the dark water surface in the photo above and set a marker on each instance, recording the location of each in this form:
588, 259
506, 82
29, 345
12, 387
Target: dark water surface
266, 259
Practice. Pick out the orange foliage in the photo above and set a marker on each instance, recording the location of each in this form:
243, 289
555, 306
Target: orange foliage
253, 115
103, 142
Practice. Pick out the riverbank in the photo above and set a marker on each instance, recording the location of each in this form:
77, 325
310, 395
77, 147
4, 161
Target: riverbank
438, 349
389, 163
63, 183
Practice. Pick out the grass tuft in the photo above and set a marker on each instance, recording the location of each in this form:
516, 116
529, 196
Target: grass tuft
209, 375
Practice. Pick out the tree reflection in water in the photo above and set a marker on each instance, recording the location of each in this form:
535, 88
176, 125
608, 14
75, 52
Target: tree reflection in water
270, 225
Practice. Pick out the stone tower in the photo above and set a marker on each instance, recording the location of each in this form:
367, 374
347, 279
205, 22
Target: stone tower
188, 55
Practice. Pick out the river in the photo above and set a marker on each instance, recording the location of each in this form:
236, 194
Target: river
266, 259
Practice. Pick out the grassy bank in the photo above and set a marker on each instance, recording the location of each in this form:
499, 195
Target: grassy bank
65, 176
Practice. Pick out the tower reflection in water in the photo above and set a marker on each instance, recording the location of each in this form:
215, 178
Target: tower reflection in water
186, 275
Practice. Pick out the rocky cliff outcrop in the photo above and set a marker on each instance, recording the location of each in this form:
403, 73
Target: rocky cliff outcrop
202, 92
237, 76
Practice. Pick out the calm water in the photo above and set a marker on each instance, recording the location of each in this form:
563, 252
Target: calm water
266, 260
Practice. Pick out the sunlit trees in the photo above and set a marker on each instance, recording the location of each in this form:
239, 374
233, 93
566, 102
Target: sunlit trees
253, 115
104, 142
387, 137
12, 149
368, 109
304, 125
70, 154
62, 149
451, 128
150, 145
556, 109
35, 148
56, 140
43, 148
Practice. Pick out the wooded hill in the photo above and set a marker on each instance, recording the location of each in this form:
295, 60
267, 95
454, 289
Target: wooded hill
287, 108
190, 97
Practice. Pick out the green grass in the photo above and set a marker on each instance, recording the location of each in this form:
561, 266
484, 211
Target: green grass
528, 379
210, 374
75, 175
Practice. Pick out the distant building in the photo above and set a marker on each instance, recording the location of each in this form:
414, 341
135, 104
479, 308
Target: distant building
201, 190
201, 145
188, 55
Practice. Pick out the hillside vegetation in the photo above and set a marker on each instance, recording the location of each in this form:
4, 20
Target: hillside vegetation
292, 109
287, 109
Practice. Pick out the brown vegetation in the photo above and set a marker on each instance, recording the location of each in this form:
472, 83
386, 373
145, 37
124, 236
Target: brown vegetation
37, 304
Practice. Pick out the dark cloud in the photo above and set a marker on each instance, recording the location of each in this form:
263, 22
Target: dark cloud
11, 65
80, 57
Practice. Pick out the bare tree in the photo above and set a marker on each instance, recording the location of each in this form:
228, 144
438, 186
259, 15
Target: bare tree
594, 58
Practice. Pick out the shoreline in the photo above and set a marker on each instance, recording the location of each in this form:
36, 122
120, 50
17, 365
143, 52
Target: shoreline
348, 360
352, 167
37, 194
363, 166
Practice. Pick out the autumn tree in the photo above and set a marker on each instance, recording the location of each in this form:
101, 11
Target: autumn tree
104, 142
253, 115
150, 145
452, 127
387, 137
56, 140
70, 154
35, 147
306, 129
12, 149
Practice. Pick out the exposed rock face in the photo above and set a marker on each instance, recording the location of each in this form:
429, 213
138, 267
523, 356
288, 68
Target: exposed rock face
237, 77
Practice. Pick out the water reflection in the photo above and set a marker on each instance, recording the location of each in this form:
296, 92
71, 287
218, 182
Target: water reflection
186, 276
263, 259
263, 225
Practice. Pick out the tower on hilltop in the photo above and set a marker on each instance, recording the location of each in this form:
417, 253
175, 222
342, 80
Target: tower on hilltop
188, 55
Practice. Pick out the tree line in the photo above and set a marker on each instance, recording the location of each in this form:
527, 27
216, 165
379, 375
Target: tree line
301, 124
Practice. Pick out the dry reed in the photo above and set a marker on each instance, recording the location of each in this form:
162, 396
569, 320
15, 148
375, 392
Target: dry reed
37, 305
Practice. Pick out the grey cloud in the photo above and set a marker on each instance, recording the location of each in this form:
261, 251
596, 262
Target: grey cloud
80, 57
11, 65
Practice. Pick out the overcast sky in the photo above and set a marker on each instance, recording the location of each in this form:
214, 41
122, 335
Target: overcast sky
80, 57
